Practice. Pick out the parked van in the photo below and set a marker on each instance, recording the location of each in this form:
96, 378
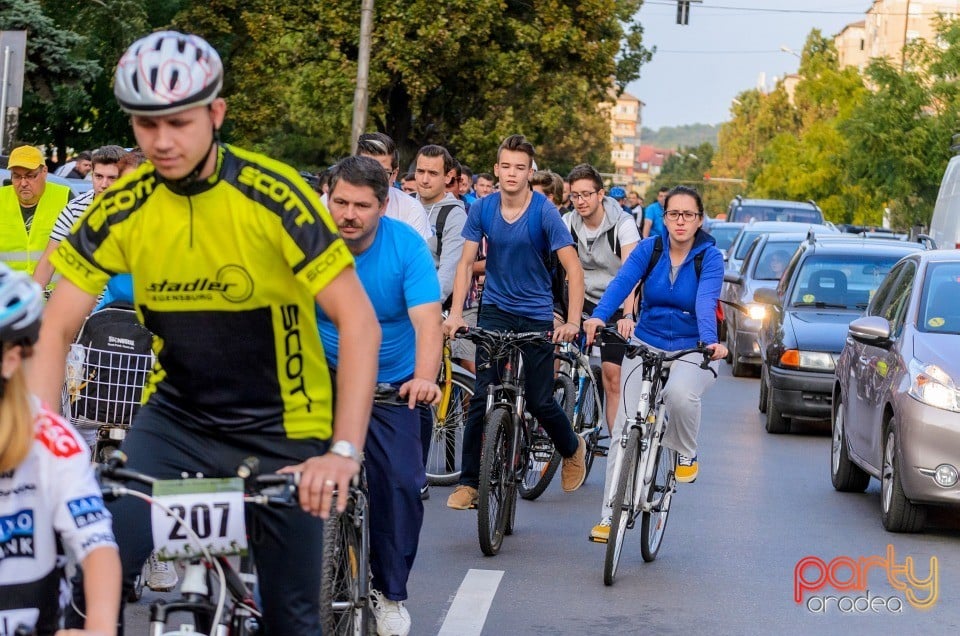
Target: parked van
945, 224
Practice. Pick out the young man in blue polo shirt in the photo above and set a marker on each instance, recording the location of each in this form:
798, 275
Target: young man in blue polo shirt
517, 297
396, 270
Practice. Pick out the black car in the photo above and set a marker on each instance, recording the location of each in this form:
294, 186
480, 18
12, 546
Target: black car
828, 283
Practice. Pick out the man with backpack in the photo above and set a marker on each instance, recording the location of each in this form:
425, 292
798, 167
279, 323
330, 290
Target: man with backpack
523, 230
604, 235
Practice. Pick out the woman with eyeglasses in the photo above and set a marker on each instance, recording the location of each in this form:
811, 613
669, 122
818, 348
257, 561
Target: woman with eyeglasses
677, 312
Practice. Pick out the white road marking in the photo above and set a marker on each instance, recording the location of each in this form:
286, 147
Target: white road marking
470, 606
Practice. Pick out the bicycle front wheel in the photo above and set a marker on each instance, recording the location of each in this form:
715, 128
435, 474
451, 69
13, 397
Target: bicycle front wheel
659, 497
446, 442
622, 505
342, 610
542, 458
496, 480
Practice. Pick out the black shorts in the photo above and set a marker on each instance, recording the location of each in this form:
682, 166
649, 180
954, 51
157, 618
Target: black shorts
610, 350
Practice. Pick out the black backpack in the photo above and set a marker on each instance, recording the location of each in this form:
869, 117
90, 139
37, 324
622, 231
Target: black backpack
107, 366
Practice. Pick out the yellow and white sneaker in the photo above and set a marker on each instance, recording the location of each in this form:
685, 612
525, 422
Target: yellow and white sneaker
687, 468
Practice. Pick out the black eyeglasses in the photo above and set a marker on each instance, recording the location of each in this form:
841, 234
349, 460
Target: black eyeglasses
576, 196
687, 215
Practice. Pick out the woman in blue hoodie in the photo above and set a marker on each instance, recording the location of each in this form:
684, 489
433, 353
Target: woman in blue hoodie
677, 312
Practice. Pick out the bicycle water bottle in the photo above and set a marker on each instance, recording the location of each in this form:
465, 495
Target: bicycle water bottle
74, 372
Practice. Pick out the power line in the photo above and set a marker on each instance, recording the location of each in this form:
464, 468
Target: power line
673, 3
729, 52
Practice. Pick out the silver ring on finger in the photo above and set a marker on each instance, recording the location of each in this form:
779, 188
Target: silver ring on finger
330, 483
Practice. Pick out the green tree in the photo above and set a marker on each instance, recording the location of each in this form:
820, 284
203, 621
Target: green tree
56, 110
463, 73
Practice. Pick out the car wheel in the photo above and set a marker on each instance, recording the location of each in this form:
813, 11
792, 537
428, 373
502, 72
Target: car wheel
763, 389
845, 475
776, 422
899, 514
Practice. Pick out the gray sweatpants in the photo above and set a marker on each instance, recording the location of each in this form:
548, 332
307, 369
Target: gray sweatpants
682, 398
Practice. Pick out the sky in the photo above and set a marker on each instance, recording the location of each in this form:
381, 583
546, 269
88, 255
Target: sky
699, 68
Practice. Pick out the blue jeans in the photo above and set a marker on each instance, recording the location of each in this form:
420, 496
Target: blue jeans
538, 371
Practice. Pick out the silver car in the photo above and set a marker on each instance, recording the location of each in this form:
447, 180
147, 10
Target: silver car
762, 266
896, 397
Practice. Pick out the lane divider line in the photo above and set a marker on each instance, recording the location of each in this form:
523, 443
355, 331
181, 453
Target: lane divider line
470, 606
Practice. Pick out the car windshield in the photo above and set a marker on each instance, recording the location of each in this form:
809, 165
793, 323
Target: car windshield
745, 242
774, 258
772, 213
840, 281
940, 304
724, 235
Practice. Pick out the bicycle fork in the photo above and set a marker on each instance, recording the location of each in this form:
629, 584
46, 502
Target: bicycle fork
640, 422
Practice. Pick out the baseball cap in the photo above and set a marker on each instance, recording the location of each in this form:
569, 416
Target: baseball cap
25, 157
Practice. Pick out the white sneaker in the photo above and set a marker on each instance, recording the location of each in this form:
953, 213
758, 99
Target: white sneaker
161, 576
392, 617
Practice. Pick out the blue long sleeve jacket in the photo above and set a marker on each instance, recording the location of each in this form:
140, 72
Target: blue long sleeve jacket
674, 315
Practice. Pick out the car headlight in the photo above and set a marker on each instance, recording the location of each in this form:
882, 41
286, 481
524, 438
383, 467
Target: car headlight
807, 360
931, 385
757, 311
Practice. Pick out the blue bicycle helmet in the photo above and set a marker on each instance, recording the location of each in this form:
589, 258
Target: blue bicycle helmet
21, 304
617, 192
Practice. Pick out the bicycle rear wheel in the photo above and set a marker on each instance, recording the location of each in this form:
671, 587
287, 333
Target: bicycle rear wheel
342, 609
589, 417
659, 496
542, 458
496, 480
446, 442
622, 506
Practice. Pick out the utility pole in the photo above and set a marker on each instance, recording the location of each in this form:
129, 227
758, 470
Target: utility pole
903, 50
361, 94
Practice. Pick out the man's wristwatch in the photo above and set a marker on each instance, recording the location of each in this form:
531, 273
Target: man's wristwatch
343, 448
630, 317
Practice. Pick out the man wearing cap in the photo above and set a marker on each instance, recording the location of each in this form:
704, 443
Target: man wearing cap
28, 209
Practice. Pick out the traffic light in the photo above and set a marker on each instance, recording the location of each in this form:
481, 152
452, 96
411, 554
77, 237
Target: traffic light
683, 11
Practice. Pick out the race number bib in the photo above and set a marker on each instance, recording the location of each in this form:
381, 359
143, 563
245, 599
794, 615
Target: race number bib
10, 620
213, 508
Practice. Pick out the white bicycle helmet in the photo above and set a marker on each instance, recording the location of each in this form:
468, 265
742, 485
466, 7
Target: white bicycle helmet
21, 304
167, 72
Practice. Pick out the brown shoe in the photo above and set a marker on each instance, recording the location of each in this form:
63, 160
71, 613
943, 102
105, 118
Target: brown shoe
573, 470
463, 498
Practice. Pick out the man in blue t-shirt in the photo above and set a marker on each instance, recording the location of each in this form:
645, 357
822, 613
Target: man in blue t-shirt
517, 297
397, 272
653, 216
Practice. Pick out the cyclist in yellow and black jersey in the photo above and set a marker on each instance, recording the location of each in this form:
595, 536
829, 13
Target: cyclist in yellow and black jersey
217, 282
228, 252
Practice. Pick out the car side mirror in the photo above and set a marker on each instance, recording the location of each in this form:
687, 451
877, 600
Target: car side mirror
870, 330
733, 277
766, 296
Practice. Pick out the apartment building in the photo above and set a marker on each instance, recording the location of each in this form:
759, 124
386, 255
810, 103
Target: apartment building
887, 26
625, 122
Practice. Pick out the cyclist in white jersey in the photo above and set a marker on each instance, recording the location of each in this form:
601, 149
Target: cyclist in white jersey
47, 490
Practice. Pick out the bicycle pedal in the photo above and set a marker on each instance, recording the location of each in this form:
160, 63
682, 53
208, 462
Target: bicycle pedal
594, 539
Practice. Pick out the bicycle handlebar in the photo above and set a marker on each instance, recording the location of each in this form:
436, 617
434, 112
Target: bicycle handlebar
480, 335
274, 489
634, 349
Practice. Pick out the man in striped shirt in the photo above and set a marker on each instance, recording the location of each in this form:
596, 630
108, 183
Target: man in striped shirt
105, 172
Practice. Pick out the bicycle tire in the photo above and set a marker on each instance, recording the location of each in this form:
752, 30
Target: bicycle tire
622, 506
660, 495
589, 417
542, 458
495, 480
340, 577
446, 443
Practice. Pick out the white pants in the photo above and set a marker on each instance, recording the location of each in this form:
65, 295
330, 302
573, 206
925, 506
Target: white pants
681, 395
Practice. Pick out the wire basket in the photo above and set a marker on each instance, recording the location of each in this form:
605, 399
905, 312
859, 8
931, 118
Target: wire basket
103, 388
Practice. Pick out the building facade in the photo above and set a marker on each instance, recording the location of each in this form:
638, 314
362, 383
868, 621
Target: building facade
625, 125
